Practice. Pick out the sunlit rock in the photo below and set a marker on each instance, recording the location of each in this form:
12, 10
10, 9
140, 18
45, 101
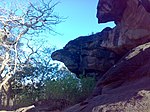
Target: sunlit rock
132, 23
123, 88
110, 10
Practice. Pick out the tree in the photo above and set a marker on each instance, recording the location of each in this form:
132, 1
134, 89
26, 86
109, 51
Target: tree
28, 82
14, 25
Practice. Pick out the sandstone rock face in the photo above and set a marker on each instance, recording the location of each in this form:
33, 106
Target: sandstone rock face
107, 10
91, 55
132, 23
124, 88
146, 4
85, 56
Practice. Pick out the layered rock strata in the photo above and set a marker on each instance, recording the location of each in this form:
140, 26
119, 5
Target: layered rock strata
84, 55
132, 23
125, 86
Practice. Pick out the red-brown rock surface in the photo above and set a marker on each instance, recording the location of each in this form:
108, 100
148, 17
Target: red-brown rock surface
132, 23
85, 56
125, 87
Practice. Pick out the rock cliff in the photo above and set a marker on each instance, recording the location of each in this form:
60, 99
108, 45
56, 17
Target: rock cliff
85, 56
123, 88
118, 57
132, 23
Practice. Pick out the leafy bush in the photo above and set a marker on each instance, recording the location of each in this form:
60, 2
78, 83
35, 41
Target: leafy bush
70, 88
87, 84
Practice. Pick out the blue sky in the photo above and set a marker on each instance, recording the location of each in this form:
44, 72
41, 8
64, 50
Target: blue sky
81, 20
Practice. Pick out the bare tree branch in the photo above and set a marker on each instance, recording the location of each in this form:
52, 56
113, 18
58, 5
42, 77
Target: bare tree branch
14, 26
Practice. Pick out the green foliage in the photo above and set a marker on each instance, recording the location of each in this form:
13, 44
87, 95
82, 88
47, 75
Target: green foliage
42, 79
88, 85
67, 87
70, 88
28, 82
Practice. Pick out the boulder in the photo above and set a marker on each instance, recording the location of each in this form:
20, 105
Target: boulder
51, 105
123, 88
110, 10
84, 55
93, 55
132, 23
125, 85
